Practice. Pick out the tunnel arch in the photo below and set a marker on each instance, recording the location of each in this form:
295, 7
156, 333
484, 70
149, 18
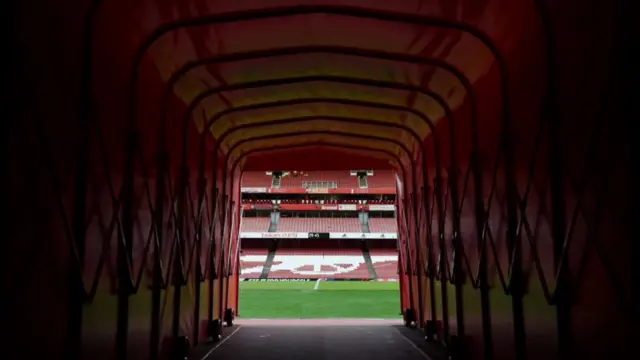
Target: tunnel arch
158, 33
216, 117
302, 9
222, 138
565, 123
411, 261
238, 160
453, 70
456, 72
351, 120
327, 132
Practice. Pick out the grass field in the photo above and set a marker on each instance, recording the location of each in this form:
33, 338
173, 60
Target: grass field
329, 299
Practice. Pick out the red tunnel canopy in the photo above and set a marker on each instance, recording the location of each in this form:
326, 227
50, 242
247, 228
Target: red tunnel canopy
105, 89
389, 30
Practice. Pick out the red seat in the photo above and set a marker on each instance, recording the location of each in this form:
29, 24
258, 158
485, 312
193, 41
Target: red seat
381, 179
255, 224
319, 225
343, 179
383, 225
256, 179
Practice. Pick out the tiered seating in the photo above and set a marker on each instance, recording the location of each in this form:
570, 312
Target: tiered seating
342, 178
381, 179
255, 224
385, 263
252, 262
256, 252
383, 225
256, 179
319, 225
319, 263
337, 264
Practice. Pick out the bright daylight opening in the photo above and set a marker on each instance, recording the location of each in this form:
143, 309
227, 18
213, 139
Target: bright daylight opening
319, 245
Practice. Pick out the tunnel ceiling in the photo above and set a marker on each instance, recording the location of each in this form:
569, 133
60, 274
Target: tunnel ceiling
302, 69
326, 161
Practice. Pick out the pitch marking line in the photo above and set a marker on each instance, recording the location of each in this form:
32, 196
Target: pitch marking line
220, 343
315, 287
424, 355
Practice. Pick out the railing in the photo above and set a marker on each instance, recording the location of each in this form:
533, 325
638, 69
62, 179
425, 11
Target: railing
320, 184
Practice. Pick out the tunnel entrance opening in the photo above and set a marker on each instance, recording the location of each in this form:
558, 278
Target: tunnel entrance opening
318, 244
130, 123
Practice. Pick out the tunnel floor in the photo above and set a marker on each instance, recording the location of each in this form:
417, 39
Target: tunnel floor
319, 340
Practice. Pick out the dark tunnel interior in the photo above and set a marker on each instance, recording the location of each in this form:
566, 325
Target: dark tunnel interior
133, 128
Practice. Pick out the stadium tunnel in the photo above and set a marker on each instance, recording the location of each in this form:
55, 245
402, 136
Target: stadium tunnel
133, 121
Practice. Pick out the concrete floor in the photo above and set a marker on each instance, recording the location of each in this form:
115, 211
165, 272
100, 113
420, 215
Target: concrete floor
318, 340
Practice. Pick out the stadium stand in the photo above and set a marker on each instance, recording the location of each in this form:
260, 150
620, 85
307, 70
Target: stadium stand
300, 257
252, 262
319, 225
331, 263
256, 179
255, 224
254, 252
383, 225
319, 263
342, 179
381, 179
385, 263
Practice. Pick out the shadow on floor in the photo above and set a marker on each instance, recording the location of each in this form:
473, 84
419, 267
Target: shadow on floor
313, 340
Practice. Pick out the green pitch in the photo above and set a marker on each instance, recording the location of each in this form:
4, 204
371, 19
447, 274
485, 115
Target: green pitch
329, 299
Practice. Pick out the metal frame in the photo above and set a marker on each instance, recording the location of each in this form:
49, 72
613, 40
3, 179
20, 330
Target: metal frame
550, 100
304, 133
236, 162
299, 10
362, 53
421, 116
266, 105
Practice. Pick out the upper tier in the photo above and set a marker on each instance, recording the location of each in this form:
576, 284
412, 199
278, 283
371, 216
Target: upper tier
382, 179
256, 179
342, 179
